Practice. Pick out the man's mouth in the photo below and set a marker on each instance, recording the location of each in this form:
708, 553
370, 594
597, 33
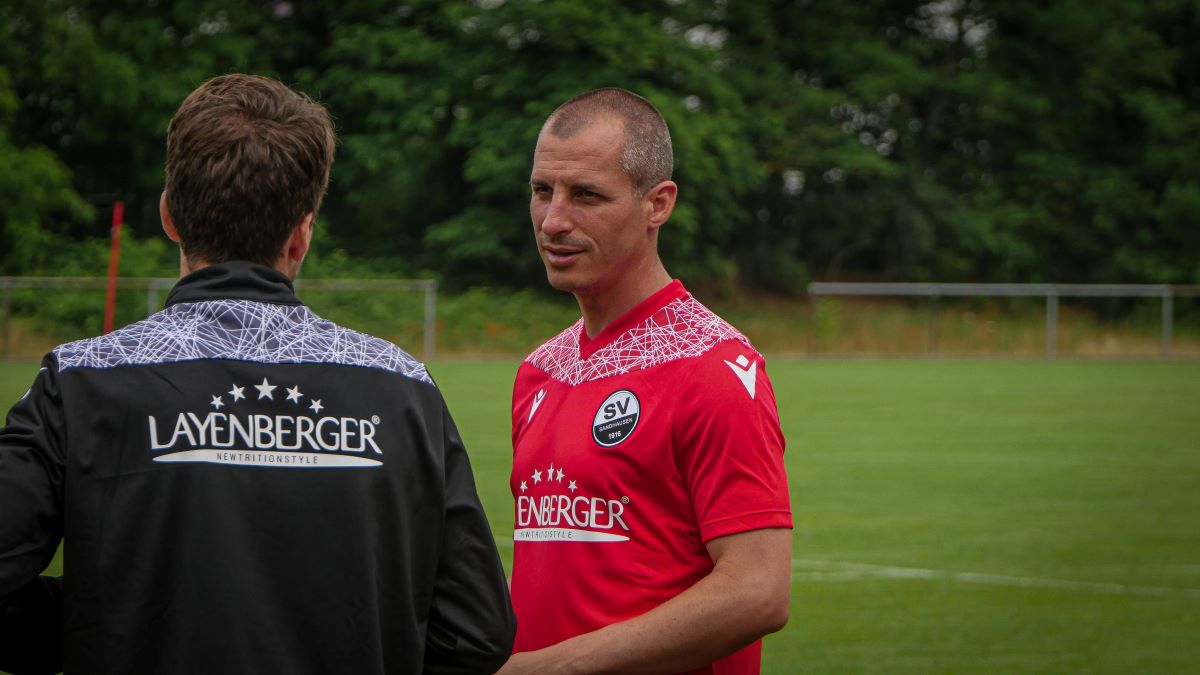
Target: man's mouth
561, 256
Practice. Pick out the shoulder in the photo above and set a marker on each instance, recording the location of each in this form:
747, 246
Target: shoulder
684, 330
719, 364
559, 355
151, 340
240, 330
700, 344
732, 371
697, 331
350, 347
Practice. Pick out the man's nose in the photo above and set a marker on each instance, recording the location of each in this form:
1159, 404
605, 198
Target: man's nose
557, 217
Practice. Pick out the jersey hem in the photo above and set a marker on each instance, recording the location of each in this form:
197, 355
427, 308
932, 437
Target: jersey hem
761, 520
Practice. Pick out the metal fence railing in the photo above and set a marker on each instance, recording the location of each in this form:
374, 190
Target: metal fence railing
156, 287
1051, 292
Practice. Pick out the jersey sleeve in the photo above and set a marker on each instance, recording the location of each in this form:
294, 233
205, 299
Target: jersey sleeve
471, 622
729, 445
32, 473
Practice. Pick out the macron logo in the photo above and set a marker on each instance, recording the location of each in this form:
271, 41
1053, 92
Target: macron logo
746, 371
537, 402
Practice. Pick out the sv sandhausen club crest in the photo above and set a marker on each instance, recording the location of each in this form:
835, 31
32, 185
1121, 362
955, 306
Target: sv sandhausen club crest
616, 418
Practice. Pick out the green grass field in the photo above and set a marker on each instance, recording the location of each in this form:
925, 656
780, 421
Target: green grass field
955, 516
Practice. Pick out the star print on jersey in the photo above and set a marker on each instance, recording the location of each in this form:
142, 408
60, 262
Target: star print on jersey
746, 372
551, 511
537, 402
265, 389
264, 431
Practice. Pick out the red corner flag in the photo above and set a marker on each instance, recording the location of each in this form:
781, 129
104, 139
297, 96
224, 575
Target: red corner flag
114, 257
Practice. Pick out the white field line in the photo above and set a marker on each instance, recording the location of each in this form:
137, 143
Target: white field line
833, 571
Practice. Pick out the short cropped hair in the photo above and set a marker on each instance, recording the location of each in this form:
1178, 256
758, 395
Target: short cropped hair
647, 157
247, 158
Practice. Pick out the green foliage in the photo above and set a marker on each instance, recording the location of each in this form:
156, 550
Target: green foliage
35, 192
956, 140
487, 321
68, 314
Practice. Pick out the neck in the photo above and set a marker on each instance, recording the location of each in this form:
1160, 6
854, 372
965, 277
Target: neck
603, 306
187, 266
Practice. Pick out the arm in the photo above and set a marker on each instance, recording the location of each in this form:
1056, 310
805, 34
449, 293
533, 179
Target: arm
745, 597
471, 622
31, 484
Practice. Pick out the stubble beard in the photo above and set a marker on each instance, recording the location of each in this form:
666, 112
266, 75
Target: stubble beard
564, 282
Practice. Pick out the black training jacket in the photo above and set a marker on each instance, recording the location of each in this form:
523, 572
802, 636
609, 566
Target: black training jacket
243, 487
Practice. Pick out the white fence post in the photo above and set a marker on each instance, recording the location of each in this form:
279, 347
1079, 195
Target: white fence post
1051, 324
931, 326
1168, 321
430, 318
152, 287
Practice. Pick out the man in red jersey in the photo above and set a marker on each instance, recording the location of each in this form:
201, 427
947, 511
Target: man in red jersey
653, 527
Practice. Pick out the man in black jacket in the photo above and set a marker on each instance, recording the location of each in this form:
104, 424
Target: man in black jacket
242, 486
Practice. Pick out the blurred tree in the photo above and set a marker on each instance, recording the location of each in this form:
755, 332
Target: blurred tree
1097, 115
441, 104
950, 140
38, 203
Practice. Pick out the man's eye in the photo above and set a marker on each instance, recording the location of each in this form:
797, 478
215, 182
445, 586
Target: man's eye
541, 190
588, 194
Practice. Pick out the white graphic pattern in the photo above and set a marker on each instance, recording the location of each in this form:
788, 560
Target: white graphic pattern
239, 330
682, 329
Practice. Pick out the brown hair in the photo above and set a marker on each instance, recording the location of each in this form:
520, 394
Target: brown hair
647, 157
247, 158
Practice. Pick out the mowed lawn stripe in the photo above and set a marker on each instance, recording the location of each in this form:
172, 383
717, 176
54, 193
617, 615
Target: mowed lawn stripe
834, 571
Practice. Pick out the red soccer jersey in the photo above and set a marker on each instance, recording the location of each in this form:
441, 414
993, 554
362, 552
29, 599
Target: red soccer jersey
630, 452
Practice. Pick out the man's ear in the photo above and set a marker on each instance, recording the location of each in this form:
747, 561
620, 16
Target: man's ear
300, 238
168, 225
659, 202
